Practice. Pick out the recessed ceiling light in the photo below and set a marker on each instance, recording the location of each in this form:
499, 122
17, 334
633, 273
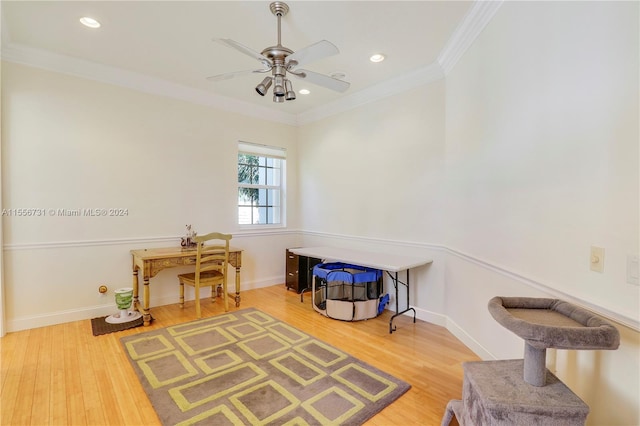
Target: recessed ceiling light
378, 57
304, 91
89, 22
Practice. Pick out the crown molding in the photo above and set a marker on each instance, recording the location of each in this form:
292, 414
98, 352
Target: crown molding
465, 34
13, 52
379, 91
478, 16
20, 54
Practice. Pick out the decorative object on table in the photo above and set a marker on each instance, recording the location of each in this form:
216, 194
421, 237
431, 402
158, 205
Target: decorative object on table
124, 300
247, 367
188, 241
524, 391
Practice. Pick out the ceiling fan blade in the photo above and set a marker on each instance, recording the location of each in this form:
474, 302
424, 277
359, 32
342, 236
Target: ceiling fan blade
243, 49
228, 75
314, 52
322, 80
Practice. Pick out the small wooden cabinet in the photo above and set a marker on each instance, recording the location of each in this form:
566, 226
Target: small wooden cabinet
299, 271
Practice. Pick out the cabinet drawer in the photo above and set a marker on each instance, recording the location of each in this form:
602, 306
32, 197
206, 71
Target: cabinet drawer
291, 262
292, 266
291, 270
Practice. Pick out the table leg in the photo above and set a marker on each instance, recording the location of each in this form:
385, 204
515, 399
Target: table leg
146, 316
396, 283
144, 310
135, 288
392, 328
237, 287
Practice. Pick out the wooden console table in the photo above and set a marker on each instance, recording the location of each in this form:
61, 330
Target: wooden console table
152, 261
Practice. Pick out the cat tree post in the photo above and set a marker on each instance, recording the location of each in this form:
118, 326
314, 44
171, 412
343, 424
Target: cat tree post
512, 392
535, 369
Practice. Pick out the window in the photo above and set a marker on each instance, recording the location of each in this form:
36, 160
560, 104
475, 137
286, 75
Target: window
260, 184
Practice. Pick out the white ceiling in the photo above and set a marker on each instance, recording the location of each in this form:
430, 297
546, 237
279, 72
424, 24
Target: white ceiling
172, 40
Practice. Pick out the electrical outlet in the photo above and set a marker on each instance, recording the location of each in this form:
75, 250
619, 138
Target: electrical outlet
597, 259
633, 269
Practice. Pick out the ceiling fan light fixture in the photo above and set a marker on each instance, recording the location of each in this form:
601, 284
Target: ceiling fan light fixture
278, 88
282, 62
290, 95
263, 87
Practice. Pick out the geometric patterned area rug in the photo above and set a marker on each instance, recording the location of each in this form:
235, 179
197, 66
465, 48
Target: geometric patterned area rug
246, 367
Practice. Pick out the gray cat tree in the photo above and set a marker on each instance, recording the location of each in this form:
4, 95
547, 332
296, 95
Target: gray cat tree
523, 391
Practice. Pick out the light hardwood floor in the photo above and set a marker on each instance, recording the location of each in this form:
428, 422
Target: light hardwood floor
63, 375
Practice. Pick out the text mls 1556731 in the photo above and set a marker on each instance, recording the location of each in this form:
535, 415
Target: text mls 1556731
65, 212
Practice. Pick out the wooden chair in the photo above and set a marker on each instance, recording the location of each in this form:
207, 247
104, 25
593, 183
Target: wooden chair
211, 268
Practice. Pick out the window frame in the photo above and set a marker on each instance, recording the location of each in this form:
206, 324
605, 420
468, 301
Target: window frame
266, 152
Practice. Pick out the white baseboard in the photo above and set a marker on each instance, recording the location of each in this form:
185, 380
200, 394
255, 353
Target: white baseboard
453, 328
59, 317
468, 341
430, 317
88, 312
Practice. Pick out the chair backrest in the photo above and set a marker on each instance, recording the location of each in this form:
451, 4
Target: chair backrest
212, 254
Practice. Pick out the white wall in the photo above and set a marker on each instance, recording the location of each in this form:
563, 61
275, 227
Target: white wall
71, 143
377, 170
376, 173
2, 304
539, 161
505, 174
542, 146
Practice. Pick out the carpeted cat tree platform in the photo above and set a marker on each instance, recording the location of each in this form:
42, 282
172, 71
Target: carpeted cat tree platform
524, 392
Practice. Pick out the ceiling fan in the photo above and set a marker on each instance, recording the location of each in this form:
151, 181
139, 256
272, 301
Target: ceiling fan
281, 60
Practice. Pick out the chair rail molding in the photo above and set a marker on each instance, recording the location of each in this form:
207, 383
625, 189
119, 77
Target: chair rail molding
89, 243
624, 318
170, 239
